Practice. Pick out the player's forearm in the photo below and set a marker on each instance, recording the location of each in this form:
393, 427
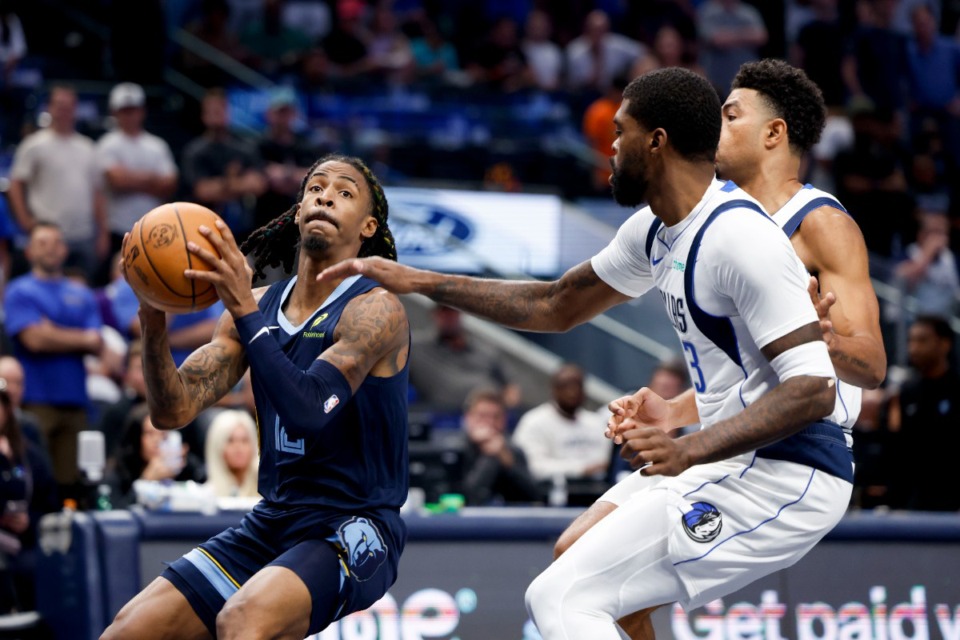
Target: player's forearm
785, 410
522, 305
859, 360
166, 396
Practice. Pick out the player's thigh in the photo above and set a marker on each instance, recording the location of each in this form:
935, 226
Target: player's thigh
619, 566
274, 603
159, 612
583, 523
298, 593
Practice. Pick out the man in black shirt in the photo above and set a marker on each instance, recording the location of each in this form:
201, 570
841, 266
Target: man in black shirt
930, 408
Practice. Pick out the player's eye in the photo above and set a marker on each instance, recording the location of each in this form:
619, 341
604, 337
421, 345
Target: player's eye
346, 194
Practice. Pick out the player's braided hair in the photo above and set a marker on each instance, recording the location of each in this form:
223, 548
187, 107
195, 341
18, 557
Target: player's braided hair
276, 242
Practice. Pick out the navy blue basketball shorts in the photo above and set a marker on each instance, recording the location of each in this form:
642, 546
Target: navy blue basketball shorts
347, 562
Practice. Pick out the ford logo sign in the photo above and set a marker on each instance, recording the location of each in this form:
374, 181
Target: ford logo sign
425, 229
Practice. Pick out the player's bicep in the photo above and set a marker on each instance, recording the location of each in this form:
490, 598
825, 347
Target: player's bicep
841, 254
213, 369
373, 327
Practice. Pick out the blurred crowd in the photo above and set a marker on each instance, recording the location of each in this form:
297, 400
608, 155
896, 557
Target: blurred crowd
82, 170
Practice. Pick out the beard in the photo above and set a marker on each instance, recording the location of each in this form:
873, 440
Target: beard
314, 245
629, 186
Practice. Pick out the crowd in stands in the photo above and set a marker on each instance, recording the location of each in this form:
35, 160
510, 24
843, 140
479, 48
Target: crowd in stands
891, 152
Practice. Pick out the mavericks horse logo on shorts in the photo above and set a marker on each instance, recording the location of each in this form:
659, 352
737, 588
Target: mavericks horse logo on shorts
364, 546
703, 522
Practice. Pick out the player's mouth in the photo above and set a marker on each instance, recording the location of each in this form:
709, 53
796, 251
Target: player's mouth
320, 216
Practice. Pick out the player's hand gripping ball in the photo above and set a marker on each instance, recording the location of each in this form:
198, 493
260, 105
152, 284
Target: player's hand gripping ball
155, 256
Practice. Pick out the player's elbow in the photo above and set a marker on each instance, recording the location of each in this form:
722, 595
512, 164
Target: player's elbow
166, 420
876, 373
822, 397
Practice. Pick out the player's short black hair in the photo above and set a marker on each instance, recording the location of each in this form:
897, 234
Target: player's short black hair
681, 103
791, 95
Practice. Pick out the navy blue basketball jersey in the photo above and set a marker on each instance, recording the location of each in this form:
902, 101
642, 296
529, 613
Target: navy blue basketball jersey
359, 461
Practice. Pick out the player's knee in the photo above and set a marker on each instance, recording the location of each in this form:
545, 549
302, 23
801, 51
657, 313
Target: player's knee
120, 628
539, 597
237, 619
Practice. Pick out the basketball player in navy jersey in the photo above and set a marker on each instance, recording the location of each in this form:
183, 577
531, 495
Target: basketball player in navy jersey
771, 119
329, 368
736, 294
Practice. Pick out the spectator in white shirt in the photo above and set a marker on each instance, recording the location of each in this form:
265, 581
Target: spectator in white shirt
138, 167
560, 436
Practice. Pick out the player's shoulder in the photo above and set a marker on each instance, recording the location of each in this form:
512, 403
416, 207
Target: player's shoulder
827, 222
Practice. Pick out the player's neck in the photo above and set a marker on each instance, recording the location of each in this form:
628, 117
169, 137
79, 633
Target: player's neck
773, 184
308, 294
680, 190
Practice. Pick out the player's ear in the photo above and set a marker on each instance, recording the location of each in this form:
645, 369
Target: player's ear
296, 216
658, 138
369, 228
776, 133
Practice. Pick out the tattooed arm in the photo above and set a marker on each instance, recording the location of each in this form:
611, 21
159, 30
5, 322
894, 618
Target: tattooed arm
531, 305
175, 397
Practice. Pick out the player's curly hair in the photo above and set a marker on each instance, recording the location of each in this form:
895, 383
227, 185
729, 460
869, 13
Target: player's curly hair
681, 103
791, 95
277, 242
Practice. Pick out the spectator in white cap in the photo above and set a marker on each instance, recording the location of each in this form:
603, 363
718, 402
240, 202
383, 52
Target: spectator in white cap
138, 167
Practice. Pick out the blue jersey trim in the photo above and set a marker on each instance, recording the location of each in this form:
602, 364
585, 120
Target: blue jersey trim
846, 412
794, 222
718, 329
651, 236
821, 445
214, 575
813, 472
729, 186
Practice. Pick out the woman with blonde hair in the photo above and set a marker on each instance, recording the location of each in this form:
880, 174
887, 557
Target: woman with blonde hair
231, 455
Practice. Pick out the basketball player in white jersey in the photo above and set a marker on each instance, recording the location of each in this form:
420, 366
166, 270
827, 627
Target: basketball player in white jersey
772, 117
766, 477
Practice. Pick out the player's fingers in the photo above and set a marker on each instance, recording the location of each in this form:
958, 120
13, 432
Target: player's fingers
342, 269
226, 233
206, 276
813, 288
204, 254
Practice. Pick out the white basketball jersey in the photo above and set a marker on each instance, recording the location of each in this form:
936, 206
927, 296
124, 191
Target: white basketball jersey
732, 284
789, 218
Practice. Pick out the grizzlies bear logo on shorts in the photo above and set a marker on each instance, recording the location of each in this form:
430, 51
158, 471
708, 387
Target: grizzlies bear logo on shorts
364, 546
703, 522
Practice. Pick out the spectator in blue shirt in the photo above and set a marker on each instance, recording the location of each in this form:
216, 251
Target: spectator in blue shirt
53, 322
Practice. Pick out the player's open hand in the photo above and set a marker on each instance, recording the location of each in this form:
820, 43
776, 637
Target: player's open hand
230, 274
641, 409
654, 452
392, 275
822, 305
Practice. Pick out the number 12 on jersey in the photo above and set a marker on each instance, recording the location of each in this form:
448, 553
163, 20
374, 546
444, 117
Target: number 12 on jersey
699, 384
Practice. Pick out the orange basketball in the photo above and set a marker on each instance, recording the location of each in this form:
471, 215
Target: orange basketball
156, 256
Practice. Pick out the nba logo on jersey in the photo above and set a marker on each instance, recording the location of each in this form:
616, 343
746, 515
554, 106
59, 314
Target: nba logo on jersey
331, 403
703, 522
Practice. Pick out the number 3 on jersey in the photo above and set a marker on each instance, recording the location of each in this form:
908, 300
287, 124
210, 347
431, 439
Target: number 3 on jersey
699, 384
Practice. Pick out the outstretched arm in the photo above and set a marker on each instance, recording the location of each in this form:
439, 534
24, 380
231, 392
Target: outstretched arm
577, 296
836, 246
